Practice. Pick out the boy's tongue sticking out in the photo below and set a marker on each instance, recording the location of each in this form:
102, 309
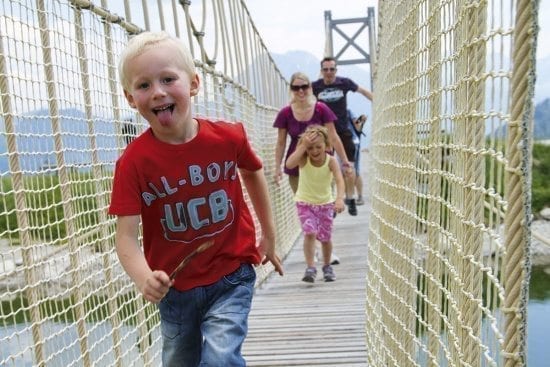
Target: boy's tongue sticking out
165, 115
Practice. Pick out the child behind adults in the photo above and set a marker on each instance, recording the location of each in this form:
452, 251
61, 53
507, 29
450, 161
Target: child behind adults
356, 126
188, 198
314, 198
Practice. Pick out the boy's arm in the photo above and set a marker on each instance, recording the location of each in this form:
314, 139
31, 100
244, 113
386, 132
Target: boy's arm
256, 187
340, 186
152, 284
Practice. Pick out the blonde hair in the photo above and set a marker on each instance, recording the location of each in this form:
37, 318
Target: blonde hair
147, 40
304, 77
319, 130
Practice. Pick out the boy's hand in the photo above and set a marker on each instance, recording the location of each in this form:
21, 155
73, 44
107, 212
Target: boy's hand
267, 251
156, 286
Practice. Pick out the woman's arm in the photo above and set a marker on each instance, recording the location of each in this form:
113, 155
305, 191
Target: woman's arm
279, 151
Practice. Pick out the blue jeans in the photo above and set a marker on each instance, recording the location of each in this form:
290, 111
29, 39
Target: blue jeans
206, 326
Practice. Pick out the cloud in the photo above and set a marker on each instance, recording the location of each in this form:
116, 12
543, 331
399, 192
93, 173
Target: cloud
543, 40
287, 25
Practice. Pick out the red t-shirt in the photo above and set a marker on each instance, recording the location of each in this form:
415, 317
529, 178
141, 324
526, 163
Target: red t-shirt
188, 194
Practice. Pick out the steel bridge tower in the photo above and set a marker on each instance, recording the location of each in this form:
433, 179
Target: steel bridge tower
366, 53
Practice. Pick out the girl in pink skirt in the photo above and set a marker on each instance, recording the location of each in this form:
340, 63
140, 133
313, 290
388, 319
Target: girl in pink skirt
314, 197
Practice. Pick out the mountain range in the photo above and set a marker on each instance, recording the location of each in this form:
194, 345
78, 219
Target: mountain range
542, 120
35, 142
36, 145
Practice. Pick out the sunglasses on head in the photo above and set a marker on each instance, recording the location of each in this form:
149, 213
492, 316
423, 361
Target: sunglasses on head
328, 69
296, 88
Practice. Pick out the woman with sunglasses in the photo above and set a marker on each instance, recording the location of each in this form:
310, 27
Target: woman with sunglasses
292, 120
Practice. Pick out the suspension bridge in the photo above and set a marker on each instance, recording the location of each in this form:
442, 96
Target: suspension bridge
434, 273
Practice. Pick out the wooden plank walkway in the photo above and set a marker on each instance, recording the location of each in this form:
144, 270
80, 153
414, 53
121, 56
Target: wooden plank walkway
293, 323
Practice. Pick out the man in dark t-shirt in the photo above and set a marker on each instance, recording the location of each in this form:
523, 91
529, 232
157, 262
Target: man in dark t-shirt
332, 90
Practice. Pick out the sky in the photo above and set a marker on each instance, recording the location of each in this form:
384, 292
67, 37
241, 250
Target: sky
299, 24
287, 25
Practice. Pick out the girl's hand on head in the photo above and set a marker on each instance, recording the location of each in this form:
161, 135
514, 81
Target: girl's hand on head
309, 138
313, 137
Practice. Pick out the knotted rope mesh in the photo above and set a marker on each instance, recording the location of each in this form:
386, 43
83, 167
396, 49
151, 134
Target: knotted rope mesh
449, 229
449, 243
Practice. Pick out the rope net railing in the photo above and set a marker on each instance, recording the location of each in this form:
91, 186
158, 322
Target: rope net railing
448, 252
449, 242
65, 300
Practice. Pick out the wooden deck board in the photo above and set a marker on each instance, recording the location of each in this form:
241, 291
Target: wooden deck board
293, 323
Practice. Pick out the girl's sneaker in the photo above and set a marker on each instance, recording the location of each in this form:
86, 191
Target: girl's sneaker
359, 201
328, 273
310, 275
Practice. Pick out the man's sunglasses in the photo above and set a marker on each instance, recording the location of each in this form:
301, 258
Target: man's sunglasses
328, 69
296, 88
